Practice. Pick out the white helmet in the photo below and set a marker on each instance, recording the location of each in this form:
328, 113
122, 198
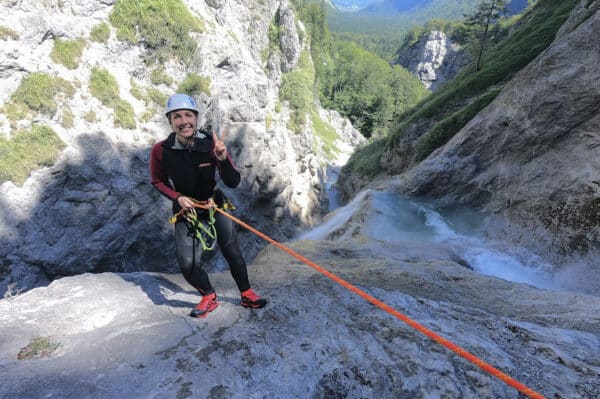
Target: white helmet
181, 101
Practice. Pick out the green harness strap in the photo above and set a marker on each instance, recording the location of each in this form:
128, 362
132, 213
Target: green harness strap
205, 233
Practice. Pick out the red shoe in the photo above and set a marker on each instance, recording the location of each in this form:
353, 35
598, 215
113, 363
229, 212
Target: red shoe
207, 304
251, 299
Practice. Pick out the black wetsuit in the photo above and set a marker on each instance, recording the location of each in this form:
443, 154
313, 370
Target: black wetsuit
177, 170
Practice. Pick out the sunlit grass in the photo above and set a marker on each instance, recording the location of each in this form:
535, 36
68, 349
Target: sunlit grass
67, 52
28, 150
163, 26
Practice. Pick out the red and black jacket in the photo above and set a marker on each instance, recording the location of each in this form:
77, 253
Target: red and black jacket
189, 171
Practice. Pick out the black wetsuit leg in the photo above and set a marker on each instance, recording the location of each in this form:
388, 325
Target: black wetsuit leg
228, 243
189, 252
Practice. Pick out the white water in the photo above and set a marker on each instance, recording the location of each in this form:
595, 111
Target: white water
394, 218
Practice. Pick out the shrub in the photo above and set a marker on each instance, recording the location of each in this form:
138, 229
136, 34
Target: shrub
39, 347
365, 160
124, 115
157, 96
67, 52
136, 91
158, 76
68, 119
90, 117
194, 84
104, 86
162, 25
27, 151
37, 94
100, 33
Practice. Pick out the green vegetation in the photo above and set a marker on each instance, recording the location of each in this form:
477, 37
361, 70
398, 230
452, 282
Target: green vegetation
314, 17
384, 33
483, 21
124, 115
447, 127
415, 33
274, 36
441, 115
7, 33
268, 121
355, 82
163, 26
39, 347
367, 89
100, 33
90, 117
105, 88
37, 93
326, 133
366, 159
68, 119
157, 96
194, 84
137, 91
27, 151
67, 52
297, 89
159, 76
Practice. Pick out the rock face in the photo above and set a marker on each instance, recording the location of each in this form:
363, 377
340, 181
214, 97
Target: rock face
532, 154
129, 334
95, 210
434, 59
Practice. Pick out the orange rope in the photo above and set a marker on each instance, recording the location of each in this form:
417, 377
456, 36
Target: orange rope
420, 328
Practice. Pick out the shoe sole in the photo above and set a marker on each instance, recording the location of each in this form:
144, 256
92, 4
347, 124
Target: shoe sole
203, 315
253, 306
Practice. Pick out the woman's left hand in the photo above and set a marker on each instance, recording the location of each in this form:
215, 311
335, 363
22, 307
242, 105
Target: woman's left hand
219, 148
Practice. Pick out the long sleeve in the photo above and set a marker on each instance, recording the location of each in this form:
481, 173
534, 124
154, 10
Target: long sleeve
158, 174
229, 172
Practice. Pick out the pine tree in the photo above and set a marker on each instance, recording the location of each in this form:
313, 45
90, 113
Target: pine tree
486, 15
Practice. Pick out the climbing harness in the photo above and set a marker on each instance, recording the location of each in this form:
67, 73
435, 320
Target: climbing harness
205, 233
529, 392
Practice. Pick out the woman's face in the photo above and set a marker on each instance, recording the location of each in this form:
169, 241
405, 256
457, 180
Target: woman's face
183, 122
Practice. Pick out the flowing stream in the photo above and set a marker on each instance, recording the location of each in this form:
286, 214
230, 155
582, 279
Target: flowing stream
392, 217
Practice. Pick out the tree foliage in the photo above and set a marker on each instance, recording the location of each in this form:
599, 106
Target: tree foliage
357, 83
484, 22
367, 90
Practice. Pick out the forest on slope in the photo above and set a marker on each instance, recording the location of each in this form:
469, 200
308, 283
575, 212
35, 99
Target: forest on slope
443, 113
382, 26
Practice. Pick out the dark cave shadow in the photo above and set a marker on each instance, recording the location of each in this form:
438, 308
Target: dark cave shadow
101, 214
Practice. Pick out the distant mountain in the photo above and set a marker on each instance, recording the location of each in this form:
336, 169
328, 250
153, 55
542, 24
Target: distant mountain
394, 6
388, 7
385, 7
352, 5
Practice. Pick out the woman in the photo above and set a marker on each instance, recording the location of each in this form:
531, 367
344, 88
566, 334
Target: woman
183, 168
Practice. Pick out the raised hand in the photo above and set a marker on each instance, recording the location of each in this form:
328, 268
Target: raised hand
219, 148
